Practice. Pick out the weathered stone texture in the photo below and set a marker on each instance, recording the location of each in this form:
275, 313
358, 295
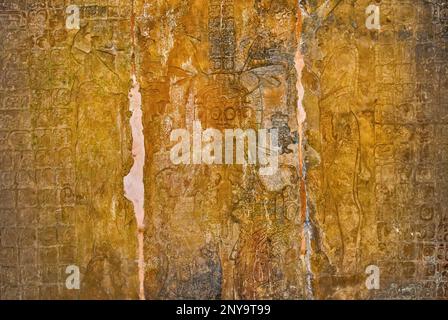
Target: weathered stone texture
376, 104
64, 149
372, 189
219, 231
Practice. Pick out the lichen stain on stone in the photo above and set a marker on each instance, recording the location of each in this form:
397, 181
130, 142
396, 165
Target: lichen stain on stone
306, 249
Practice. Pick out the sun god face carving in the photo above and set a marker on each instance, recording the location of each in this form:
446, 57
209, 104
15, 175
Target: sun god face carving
224, 107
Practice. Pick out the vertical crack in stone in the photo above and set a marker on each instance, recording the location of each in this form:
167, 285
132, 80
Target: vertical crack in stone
301, 117
133, 183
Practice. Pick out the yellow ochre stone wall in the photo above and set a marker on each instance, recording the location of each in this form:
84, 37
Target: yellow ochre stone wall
362, 121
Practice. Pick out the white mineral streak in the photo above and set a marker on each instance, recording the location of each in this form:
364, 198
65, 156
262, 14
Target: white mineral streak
301, 117
133, 183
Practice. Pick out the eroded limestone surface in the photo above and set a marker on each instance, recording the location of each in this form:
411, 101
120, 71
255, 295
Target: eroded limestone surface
362, 122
